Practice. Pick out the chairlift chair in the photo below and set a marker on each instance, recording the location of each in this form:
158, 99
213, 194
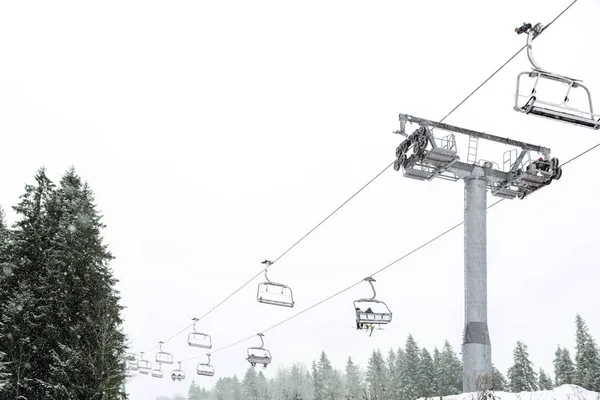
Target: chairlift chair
157, 373
178, 374
132, 365
129, 357
530, 103
163, 357
259, 355
198, 339
144, 366
273, 293
205, 369
377, 317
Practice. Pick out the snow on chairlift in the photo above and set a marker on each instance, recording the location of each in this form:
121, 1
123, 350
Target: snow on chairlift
259, 355
531, 103
205, 369
371, 311
273, 293
178, 374
157, 373
162, 357
144, 366
198, 339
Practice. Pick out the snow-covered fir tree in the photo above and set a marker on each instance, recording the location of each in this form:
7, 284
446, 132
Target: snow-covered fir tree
587, 358
521, 375
317, 382
426, 374
544, 381
410, 370
331, 380
564, 368
377, 376
353, 382
437, 371
250, 385
451, 377
499, 383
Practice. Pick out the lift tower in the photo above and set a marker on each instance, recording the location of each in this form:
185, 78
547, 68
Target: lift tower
424, 157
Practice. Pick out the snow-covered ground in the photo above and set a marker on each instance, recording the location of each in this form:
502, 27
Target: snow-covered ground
564, 392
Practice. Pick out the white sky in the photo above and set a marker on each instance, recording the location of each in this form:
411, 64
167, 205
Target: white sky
215, 134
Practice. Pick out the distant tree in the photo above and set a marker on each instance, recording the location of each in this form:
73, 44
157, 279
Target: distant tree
426, 374
377, 376
544, 381
262, 387
410, 370
587, 358
353, 384
437, 372
521, 375
331, 380
317, 382
396, 375
564, 368
451, 381
499, 383
250, 385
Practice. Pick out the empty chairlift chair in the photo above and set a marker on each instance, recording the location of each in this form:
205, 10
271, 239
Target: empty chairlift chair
370, 311
259, 355
533, 103
157, 373
144, 366
205, 369
162, 357
273, 293
198, 339
178, 374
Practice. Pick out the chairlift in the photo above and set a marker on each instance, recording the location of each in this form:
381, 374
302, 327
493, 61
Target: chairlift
366, 317
530, 103
178, 374
197, 339
144, 366
259, 355
205, 369
163, 357
132, 365
273, 293
157, 373
129, 357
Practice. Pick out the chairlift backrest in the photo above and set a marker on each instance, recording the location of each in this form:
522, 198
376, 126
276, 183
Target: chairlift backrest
259, 355
144, 366
163, 357
198, 339
178, 374
157, 373
273, 293
205, 369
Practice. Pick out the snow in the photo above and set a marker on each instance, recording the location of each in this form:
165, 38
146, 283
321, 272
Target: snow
564, 392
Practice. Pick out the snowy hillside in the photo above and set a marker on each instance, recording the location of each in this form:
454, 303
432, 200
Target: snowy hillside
564, 392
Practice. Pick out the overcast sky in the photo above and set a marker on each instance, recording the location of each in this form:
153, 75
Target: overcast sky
215, 134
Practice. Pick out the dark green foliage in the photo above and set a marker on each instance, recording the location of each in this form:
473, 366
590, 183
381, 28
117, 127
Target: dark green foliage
544, 382
61, 319
499, 383
521, 375
587, 357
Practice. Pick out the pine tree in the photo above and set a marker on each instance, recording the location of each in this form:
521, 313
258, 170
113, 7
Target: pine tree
521, 375
564, 369
262, 386
410, 370
353, 381
250, 385
330, 379
499, 383
544, 382
437, 372
451, 381
377, 376
587, 358
396, 375
317, 382
426, 373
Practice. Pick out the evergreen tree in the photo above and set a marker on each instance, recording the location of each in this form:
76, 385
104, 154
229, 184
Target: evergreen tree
564, 368
317, 382
236, 389
521, 375
410, 370
377, 376
262, 387
426, 373
330, 379
587, 358
437, 372
396, 375
451, 381
499, 383
250, 385
544, 382
353, 381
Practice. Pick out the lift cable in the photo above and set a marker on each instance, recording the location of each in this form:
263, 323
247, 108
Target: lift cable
358, 191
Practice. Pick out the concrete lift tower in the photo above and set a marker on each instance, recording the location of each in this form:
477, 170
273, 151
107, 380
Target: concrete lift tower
424, 157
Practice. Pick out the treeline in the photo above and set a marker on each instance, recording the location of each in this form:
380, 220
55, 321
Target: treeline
407, 373
60, 323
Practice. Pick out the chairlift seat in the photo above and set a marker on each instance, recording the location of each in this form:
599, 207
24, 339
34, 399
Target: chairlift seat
275, 294
257, 355
564, 117
157, 373
144, 365
164, 358
132, 365
376, 317
201, 340
205, 370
